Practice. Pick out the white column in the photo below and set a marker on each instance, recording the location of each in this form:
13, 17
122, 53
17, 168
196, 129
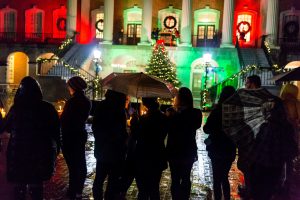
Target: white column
186, 23
108, 21
71, 17
227, 24
272, 21
147, 23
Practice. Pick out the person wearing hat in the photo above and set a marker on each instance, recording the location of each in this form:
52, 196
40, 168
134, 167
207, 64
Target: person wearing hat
74, 135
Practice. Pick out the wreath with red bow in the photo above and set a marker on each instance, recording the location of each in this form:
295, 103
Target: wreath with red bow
243, 27
61, 24
169, 18
97, 25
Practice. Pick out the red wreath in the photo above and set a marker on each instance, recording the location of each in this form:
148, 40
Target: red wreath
243, 31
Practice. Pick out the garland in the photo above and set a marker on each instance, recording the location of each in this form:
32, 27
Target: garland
291, 29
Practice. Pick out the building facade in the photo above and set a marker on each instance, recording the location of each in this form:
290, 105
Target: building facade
127, 29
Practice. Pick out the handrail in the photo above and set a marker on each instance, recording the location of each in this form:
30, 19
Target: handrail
24, 37
267, 50
237, 80
237, 46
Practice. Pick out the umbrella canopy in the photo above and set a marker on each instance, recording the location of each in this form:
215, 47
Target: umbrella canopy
292, 75
245, 115
245, 112
138, 85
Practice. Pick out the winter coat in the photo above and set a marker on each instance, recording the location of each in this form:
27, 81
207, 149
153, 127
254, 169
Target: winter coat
181, 143
218, 144
150, 133
109, 128
73, 118
34, 142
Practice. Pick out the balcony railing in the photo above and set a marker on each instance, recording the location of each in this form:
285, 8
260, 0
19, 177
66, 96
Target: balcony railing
169, 40
22, 37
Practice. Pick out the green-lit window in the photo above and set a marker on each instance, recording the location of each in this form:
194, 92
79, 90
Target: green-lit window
201, 32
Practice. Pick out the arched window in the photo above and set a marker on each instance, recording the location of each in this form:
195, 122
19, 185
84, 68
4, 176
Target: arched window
289, 28
59, 22
97, 23
206, 27
244, 24
8, 23
245, 27
132, 26
34, 23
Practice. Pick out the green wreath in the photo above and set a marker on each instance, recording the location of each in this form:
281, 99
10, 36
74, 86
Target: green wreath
97, 25
170, 18
61, 24
291, 29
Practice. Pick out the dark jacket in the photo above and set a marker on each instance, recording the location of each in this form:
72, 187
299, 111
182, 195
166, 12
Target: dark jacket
181, 143
150, 133
73, 118
109, 128
34, 142
218, 144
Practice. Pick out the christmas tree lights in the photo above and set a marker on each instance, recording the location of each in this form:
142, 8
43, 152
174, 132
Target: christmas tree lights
161, 66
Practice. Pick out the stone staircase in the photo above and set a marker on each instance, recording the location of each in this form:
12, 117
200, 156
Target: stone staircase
257, 56
54, 88
253, 56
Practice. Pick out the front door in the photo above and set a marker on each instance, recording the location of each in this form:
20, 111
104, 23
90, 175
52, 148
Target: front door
205, 35
133, 33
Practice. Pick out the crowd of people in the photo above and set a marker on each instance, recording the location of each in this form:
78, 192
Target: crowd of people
130, 145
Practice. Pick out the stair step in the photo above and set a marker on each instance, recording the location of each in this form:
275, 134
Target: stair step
54, 88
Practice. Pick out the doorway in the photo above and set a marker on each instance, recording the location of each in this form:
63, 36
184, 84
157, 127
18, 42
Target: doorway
205, 35
133, 33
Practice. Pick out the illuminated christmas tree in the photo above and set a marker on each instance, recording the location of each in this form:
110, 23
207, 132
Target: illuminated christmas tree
161, 66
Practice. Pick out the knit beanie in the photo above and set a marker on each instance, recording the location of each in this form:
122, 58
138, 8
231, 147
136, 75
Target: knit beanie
77, 83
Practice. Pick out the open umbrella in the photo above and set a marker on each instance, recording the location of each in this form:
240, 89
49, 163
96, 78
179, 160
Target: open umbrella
139, 85
255, 120
292, 75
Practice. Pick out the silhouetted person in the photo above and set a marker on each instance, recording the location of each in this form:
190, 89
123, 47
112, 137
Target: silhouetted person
289, 94
253, 82
150, 153
34, 141
184, 120
221, 149
74, 135
129, 171
109, 128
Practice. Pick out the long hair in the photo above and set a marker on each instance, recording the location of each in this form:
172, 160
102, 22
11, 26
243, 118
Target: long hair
119, 99
227, 92
184, 98
29, 91
289, 91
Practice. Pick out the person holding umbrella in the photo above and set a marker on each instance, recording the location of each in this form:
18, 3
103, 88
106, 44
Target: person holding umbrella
255, 120
184, 120
150, 154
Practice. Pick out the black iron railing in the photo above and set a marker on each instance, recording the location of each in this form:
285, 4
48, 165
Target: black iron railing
22, 37
237, 80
